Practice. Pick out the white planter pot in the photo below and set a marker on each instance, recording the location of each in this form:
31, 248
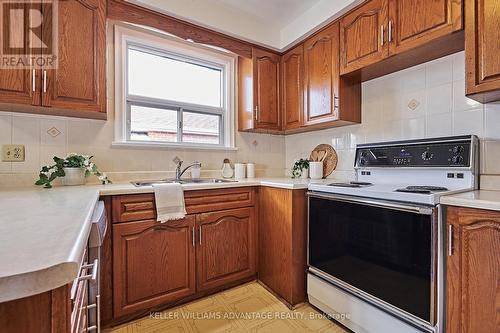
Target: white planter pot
74, 176
304, 174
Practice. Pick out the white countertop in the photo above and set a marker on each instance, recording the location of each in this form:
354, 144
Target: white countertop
42, 237
43, 232
474, 199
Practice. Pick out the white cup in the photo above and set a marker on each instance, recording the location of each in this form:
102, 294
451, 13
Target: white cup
250, 170
316, 170
239, 170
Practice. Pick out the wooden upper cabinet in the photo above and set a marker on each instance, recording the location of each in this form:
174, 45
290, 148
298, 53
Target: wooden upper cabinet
363, 36
79, 81
413, 23
226, 250
482, 43
20, 86
153, 264
266, 90
321, 76
473, 271
292, 88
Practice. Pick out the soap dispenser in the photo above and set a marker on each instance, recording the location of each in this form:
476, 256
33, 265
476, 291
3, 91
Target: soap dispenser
227, 171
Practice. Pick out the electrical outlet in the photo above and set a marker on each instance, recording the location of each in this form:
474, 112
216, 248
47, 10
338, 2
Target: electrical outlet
13, 153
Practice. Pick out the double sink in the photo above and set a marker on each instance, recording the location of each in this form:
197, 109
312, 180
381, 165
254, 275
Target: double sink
182, 181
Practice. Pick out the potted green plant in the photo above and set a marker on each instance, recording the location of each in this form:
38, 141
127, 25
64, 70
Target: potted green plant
73, 169
300, 168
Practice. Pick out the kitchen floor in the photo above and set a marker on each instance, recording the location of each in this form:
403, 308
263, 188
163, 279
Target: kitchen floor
261, 310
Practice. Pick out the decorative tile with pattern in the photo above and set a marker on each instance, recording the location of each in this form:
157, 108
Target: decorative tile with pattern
247, 308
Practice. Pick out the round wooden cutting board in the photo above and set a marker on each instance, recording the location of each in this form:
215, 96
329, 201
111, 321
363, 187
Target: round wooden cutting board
329, 162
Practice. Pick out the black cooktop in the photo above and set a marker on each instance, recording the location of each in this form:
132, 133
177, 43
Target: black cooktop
422, 189
351, 184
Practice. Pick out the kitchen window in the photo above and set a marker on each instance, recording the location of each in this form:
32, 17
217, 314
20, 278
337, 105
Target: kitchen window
171, 92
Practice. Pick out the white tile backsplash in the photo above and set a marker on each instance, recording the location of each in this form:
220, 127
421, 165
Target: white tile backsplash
5, 138
469, 122
438, 90
53, 132
492, 121
440, 99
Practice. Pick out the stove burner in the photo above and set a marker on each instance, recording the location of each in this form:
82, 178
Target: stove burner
351, 184
422, 189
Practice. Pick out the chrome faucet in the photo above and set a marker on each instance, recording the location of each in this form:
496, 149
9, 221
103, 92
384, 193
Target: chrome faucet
178, 171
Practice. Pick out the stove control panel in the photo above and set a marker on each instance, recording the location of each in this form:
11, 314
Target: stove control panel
442, 152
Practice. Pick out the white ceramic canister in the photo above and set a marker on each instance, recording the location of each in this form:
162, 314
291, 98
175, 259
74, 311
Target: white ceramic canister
239, 170
250, 170
316, 170
73, 176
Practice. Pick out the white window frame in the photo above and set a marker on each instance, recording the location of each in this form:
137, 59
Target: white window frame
153, 42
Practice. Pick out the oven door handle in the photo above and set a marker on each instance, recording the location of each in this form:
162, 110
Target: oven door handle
422, 210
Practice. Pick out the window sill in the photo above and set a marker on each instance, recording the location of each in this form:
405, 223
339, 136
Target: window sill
164, 145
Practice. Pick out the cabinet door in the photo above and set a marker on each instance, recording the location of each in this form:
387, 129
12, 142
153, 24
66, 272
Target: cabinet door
482, 42
266, 85
78, 82
226, 247
363, 36
321, 76
20, 86
473, 271
153, 264
292, 83
414, 23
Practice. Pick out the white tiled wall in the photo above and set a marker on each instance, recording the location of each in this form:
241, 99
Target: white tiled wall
45, 137
423, 101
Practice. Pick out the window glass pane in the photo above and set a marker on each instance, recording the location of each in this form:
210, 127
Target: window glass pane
151, 75
153, 124
200, 128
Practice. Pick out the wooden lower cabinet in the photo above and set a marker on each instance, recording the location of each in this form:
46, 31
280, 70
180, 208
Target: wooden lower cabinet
156, 265
153, 264
283, 243
473, 271
226, 247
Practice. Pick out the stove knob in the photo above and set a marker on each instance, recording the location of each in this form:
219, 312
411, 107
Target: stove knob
457, 159
427, 155
457, 149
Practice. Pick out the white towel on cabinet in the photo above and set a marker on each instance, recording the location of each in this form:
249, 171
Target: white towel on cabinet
169, 200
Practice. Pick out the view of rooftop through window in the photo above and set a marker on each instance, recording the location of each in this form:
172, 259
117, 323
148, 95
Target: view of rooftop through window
173, 99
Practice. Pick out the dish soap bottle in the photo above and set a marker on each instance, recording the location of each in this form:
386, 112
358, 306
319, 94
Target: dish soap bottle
227, 171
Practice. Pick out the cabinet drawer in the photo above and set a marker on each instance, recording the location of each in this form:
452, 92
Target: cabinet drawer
136, 207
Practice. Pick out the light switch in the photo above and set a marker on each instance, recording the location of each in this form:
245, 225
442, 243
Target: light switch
13, 153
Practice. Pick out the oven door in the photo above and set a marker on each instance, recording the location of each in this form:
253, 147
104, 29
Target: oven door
382, 252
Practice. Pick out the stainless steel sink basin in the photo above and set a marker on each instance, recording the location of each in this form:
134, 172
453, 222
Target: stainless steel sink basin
183, 181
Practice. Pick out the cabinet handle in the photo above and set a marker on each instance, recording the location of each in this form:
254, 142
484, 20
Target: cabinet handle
93, 276
382, 35
193, 236
256, 112
199, 232
335, 102
390, 31
44, 81
450, 240
33, 80
98, 301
